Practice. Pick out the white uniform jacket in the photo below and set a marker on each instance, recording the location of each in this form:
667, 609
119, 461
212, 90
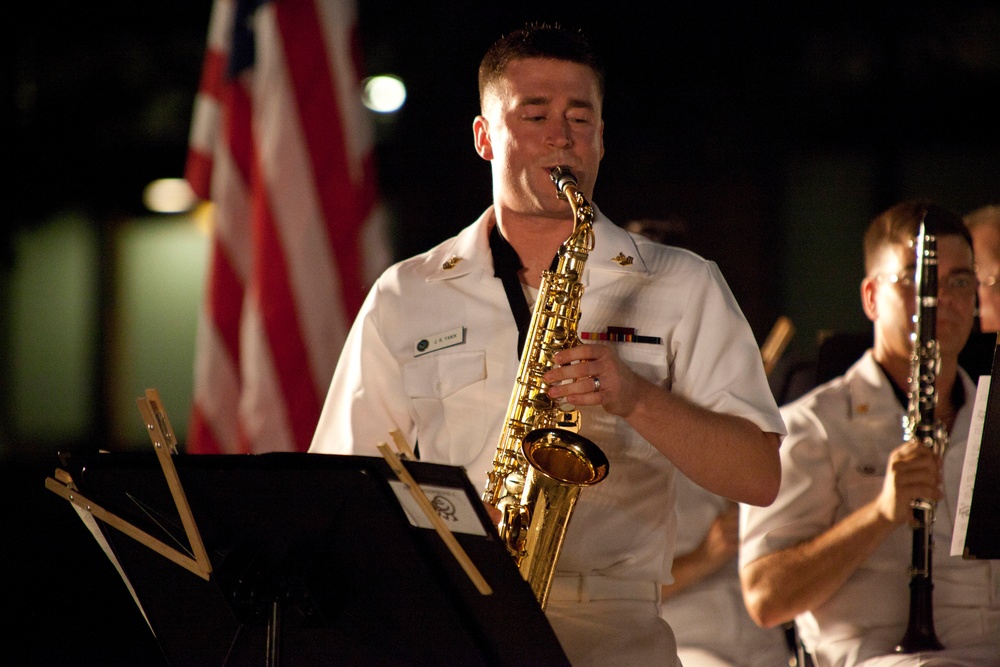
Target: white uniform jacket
434, 354
833, 462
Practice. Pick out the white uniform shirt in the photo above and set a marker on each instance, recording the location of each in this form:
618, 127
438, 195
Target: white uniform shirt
709, 616
833, 462
434, 354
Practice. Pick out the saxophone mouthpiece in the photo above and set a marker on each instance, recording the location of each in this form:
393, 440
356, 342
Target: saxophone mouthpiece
563, 177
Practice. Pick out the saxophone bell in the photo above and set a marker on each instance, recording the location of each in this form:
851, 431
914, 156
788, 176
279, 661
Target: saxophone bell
560, 465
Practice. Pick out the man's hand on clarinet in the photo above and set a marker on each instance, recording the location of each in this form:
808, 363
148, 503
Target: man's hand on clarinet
912, 473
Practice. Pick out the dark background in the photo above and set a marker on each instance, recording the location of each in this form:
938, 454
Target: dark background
708, 105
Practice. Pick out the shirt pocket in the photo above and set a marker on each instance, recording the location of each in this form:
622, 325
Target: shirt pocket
862, 479
612, 434
645, 359
447, 393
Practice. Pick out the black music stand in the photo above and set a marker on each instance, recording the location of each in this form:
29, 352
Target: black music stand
982, 533
316, 553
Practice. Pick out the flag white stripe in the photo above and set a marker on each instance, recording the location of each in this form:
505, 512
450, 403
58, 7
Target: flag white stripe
205, 124
216, 385
232, 213
220, 25
262, 404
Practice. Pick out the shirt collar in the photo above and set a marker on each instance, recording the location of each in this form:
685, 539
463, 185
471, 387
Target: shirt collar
614, 250
868, 380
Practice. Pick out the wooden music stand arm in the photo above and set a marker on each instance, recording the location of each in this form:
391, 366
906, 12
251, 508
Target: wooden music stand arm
68, 492
164, 443
395, 462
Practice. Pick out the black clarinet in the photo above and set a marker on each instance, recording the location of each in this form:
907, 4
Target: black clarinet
920, 424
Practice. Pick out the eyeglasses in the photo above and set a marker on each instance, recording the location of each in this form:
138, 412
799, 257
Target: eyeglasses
960, 283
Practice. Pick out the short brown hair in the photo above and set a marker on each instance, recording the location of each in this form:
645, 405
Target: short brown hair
538, 40
899, 224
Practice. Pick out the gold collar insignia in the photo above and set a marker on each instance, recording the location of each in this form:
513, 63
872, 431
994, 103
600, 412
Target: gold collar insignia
623, 260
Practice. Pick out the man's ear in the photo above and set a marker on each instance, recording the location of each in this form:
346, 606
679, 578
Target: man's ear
868, 288
481, 135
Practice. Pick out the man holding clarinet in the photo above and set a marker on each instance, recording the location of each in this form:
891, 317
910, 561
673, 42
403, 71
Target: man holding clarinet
836, 550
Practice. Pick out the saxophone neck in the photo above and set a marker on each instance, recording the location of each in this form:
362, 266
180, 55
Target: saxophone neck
567, 188
581, 240
583, 211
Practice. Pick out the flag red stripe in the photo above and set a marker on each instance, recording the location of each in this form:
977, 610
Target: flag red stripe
198, 172
200, 439
319, 113
225, 300
213, 76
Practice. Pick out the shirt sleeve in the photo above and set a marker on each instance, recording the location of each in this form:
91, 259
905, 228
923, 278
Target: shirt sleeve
807, 500
366, 399
716, 359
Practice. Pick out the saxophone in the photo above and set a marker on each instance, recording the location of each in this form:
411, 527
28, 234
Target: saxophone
920, 424
541, 463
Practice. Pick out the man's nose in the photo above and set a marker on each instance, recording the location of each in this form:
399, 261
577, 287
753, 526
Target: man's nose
559, 133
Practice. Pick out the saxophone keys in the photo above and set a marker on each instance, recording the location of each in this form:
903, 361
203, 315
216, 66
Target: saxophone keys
513, 485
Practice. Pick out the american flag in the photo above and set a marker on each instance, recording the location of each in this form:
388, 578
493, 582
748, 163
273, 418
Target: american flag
282, 146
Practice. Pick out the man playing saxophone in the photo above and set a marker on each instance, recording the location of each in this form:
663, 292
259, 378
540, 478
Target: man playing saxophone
835, 549
669, 376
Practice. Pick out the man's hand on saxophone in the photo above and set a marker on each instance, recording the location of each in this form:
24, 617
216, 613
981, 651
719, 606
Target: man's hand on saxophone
592, 374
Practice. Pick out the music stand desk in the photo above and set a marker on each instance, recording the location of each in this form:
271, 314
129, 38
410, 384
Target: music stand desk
328, 538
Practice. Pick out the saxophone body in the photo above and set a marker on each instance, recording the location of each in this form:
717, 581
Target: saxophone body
920, 424
541, 464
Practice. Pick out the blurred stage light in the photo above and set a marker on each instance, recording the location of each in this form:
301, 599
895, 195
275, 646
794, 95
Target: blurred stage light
384, 93
169, 195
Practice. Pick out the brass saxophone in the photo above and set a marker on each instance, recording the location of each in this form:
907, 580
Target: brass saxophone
920, 424
541, 463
